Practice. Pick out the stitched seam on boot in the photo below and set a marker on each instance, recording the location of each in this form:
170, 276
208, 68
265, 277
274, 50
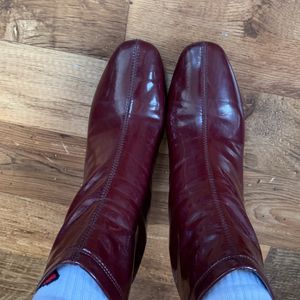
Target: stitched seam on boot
104, 268
211, 179
215, 264
224, 259
118, 153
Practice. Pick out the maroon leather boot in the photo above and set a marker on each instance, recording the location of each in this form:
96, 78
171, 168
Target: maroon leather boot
210, 233
104, 229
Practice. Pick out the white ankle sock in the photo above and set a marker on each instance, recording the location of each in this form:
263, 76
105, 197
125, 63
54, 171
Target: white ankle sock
74, 283
238, 285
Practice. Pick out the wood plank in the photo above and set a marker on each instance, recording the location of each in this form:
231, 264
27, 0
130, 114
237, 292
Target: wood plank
282, 268
18, 275
272, 165
40, 164
265, 251
154, 279
260, 37
79, 26
27, 226
47, 89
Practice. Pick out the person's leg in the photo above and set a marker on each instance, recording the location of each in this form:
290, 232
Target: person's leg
210, 233
70, 282
238, 285
104, 230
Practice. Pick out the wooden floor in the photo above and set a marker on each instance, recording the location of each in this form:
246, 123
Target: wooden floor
52, 54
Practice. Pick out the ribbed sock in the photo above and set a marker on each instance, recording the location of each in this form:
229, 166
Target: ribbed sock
238, 285
74, 283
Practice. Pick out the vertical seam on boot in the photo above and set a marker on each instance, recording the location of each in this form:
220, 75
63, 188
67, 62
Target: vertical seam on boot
209, 170
118, 153
105, 269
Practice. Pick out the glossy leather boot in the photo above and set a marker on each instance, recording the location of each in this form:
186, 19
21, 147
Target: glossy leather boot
104, 230
210, 233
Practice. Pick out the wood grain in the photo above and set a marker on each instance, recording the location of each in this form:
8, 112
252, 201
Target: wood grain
47, 89
18, 275
27, 226
154, 279
39, 164
265, 251
272, 165
282, 268
80, 26
261, 37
